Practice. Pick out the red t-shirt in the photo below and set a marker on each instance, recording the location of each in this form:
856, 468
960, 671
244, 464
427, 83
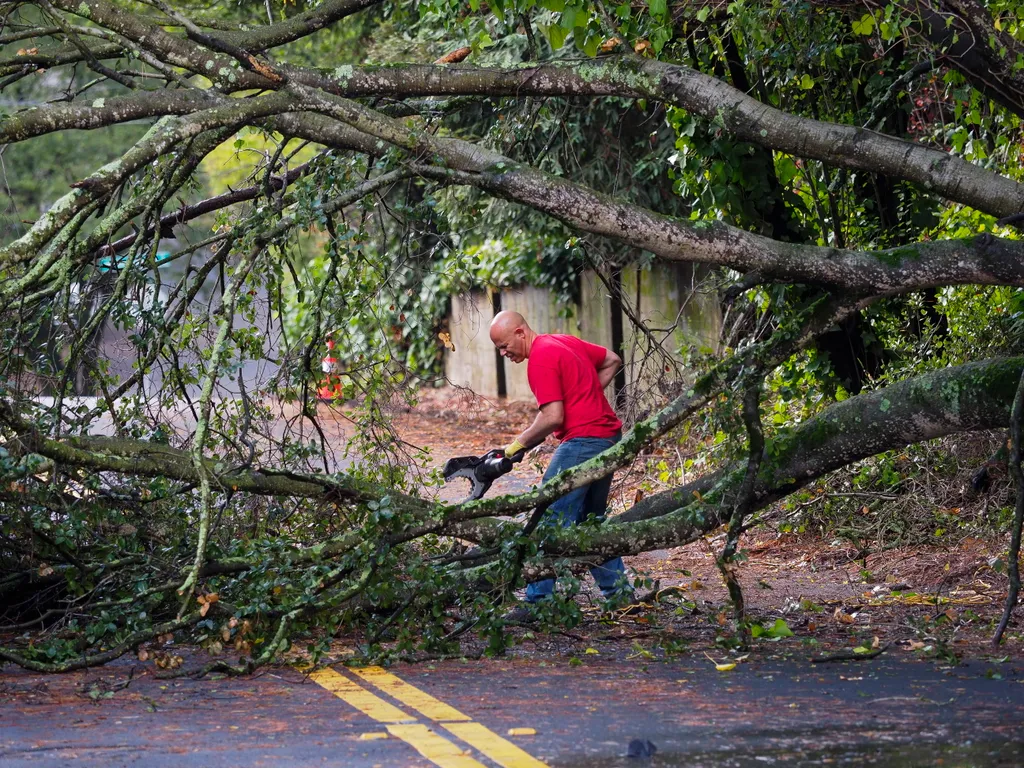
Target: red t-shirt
562, 367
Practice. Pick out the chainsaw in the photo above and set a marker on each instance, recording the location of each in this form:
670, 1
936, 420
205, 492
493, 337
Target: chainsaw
481, 471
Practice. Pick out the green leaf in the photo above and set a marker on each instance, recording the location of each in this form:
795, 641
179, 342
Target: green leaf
658, 7
865, 25
959, 138
482, 40
780, 629
786, 171
660, 36
555, 35
702, 14
806, 82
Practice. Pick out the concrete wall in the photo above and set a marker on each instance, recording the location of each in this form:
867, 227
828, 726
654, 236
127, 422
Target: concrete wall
660, 295
594, 314
472, 364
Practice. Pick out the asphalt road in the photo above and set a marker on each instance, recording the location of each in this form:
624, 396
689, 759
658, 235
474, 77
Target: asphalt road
891, 710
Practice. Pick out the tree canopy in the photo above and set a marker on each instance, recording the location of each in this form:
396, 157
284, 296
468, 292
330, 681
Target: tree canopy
224, 187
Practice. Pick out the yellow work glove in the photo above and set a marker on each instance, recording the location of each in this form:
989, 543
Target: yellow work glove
513, 448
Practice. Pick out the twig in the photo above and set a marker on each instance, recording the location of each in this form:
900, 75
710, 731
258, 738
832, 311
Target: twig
886, 103
745, 500
1013, 220
1013, 567
101, 658
849, 656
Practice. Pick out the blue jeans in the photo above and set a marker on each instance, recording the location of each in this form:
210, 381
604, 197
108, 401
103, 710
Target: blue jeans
584, 503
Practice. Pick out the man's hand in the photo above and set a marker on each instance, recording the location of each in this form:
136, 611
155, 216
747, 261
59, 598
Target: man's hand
515, 450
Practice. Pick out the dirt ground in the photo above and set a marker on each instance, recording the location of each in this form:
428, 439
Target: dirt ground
941, 602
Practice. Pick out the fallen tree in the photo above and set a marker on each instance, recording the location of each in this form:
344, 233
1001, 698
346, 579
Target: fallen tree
976, 396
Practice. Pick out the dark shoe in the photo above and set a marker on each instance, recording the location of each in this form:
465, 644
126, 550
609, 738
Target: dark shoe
521, 614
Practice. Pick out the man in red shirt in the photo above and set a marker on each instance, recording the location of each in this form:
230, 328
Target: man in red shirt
567, 376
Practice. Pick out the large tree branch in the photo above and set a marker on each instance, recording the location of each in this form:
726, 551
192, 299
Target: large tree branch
103, 112
967, 398
976, 396
747, 118
298, 26
983, 260
146, 459
168, 132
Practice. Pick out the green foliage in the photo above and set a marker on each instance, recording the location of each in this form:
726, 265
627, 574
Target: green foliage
776, 631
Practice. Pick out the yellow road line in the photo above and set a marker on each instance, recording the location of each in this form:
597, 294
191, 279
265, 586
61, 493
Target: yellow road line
500, 750
360, 698
409, 695
431, 745
434, 747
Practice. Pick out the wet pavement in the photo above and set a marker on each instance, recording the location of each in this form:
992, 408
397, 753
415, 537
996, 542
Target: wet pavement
591, 711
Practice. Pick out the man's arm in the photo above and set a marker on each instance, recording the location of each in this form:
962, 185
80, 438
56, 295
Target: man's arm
548, 419
608, 368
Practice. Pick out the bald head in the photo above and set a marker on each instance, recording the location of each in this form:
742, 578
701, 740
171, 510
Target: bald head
512, 335
506, 322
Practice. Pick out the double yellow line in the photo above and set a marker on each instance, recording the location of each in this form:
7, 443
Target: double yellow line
422, 738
